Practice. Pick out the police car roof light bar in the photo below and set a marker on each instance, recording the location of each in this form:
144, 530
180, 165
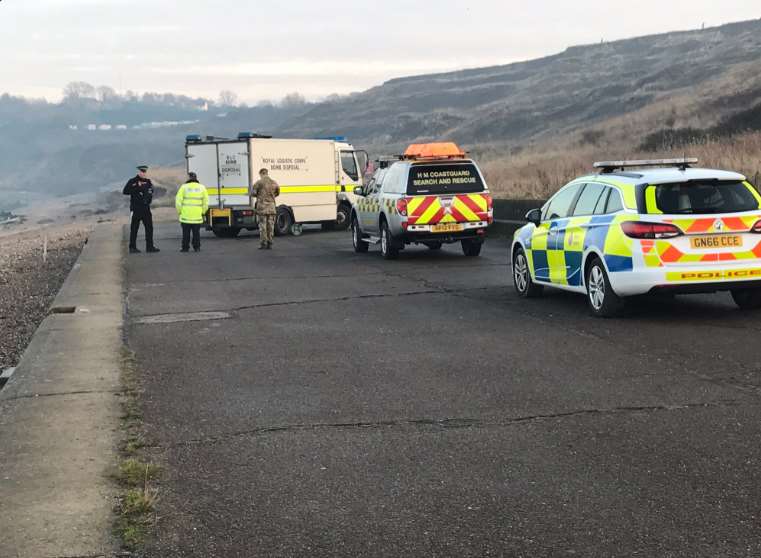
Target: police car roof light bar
611, 166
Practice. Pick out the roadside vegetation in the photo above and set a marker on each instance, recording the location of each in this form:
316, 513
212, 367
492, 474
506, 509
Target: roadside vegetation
135, 473
537, 172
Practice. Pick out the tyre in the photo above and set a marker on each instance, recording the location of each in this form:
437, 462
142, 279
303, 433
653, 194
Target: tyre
471, 248
524, 284
747, 299
389, 246
343, 217
602, 301
283, 221
434, 245
360, 245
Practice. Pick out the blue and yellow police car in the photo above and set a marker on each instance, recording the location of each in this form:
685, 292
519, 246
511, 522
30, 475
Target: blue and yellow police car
642, 227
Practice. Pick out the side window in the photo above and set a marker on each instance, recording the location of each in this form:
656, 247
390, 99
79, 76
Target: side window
370, 186
614, 202
392, 179
560, 206
602, 202
589, 199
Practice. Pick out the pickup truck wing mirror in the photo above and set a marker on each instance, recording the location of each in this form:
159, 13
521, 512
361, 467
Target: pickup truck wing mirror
534, 216
358, 191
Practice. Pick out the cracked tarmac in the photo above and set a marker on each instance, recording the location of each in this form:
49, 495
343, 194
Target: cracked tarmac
349, 406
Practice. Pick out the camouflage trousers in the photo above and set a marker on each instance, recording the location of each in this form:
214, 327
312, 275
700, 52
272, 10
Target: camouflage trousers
266, 228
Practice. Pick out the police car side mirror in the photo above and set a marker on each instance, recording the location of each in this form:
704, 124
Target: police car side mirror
534, 216
358, 191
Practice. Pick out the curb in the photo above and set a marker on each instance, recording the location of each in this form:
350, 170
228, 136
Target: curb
59, 415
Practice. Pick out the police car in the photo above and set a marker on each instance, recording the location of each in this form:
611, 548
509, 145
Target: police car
634, 229
431, 195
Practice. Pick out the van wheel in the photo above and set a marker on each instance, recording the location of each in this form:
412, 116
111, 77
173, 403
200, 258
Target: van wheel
342, 217
389, 246
471, 248
360, 245
434, 245
283, 221
602, 301
524, 285
747, 299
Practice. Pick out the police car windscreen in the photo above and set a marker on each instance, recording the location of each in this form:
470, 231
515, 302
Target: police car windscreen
452, 178
711, 196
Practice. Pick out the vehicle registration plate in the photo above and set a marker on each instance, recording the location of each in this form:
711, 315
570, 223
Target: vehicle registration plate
447, 227
716, 241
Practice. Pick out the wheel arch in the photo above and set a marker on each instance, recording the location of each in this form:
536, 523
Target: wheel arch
588, 258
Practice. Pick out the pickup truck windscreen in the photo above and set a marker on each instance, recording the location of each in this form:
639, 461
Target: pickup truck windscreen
444, 178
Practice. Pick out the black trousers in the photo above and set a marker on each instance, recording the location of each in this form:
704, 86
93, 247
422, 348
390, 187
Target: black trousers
187, 228
145, 216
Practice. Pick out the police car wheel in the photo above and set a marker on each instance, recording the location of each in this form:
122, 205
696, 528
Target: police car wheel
389, 248
602, 301
522, 281
360, 245
747, 299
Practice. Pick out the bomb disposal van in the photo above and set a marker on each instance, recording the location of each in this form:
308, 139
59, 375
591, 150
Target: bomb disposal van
317, 178
431, 195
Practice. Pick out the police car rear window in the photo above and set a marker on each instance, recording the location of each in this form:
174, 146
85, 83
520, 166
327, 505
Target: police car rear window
711, 196
451, 178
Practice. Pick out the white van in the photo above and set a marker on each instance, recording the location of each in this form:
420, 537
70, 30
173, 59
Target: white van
317, 178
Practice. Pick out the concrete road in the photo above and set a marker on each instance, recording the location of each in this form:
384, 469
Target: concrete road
341, 405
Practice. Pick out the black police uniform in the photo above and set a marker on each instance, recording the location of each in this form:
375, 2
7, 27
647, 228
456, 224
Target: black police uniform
140, 191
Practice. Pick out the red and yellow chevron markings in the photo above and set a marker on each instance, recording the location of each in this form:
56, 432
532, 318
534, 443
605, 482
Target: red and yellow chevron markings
462, 208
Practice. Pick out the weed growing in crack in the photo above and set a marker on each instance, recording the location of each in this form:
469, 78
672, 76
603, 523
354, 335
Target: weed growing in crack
135, 509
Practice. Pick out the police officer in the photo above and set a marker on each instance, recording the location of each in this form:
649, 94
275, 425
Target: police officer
140, 191
266, 190
192, 203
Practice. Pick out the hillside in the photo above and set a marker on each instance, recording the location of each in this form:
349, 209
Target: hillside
712, 72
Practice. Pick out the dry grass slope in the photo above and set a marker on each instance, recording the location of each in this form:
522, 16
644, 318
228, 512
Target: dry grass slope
538, 172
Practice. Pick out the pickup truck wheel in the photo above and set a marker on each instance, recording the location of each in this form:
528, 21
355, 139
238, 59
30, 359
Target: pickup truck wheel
471, 248
389, 247
747, 299
283, 221
360, 245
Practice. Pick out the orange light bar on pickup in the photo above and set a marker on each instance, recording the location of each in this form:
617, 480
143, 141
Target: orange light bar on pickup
443, 150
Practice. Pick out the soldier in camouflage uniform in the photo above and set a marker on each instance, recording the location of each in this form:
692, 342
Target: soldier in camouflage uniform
266, 190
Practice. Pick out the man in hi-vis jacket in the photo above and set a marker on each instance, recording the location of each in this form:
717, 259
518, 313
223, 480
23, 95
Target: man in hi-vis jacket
192, 203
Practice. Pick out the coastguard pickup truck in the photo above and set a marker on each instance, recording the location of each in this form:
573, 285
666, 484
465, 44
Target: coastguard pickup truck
431, 195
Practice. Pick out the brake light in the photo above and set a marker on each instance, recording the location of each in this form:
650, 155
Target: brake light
756, 228
638, 229
489, 208
401, 206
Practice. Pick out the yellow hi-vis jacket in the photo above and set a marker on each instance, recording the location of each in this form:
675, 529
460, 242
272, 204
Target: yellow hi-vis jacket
192, 202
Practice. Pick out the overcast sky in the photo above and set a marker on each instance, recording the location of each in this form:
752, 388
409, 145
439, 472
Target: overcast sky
264, 49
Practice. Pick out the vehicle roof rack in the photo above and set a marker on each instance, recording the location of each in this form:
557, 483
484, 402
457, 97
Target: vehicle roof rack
608, 167
387, 160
